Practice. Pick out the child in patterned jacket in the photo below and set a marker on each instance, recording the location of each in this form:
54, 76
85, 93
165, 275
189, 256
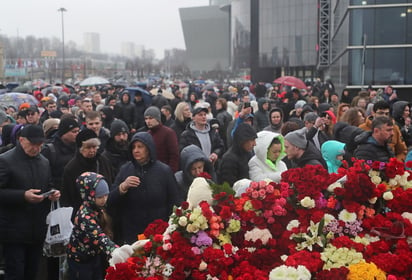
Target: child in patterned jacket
91, 236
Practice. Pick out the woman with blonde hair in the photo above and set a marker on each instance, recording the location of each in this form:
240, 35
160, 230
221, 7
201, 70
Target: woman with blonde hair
183, 116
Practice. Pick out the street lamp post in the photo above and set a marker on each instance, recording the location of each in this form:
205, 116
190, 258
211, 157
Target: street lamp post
62, 10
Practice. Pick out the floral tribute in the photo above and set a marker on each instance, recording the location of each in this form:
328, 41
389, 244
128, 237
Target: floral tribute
356, 224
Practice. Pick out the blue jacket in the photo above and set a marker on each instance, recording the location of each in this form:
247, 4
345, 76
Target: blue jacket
153, 199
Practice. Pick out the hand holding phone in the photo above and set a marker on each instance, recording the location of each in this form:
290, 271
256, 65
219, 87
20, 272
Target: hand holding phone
46, 194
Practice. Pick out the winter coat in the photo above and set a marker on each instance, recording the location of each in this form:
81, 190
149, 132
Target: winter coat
234, 165
188, 156
345, 133
22, 222
116, 155
330, 150
261, 118
189, 137
70, 195
397, 112
59, 154
369, 149
125, 111
179, 127
311, 156
260, 167
88, 240
138, 118
153, 199
396, 143
167, 147
224, 119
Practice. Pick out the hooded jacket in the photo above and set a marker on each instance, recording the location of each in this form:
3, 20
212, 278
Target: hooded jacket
274, 127
261, 119
260, 167
189, 137
330, 150
188, 156
397, 112
153, 199
88, 239
125, 110
234, 165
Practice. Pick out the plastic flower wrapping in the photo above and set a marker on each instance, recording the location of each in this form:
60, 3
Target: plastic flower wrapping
356, 224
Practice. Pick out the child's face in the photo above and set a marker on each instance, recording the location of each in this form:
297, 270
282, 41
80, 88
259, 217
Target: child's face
197, 168
101, 201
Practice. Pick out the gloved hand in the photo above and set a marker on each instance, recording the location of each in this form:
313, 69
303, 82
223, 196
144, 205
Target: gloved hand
121, 254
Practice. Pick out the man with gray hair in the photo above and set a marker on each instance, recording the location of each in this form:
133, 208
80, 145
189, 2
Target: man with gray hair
300, 151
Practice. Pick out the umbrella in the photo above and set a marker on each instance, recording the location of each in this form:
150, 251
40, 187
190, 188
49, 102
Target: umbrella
17, 98
147, 97
199, 82
22, 89
93, 81
290, 81
39, 84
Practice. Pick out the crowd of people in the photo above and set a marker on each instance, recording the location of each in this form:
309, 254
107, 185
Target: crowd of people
122, 160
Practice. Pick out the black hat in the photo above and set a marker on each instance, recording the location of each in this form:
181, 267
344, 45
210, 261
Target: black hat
200, 109
84, 135
67, 124
33, 133
118, 126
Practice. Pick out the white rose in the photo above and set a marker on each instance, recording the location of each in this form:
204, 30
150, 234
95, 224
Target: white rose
347, 216
182, 221
407, 215
388, 195
292, 224
376, 180
307, 202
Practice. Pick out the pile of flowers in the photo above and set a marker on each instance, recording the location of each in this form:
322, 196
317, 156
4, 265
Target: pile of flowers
356, 224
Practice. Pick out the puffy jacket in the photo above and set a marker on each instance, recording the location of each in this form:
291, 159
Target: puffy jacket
188, 156
260, 167
234, 165
369, 149
88, 239
21, 221
153, 199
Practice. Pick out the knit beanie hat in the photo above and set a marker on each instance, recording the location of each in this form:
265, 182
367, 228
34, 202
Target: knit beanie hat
67, 124
118, 126
297, 138
153, 112
102, 188
84, 135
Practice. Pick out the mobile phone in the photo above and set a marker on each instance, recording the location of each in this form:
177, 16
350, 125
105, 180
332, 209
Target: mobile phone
247, 105
46, 194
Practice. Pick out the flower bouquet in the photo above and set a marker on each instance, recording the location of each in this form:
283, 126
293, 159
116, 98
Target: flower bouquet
356, 224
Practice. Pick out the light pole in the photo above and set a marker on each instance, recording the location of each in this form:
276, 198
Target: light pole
62, 10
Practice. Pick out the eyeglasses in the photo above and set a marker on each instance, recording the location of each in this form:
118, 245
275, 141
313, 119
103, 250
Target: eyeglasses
30, 113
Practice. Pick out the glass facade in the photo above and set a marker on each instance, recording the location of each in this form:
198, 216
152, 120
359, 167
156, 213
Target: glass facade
240, 34
288, 33
385, 31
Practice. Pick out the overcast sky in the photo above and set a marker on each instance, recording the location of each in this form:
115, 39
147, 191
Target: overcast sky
152, 23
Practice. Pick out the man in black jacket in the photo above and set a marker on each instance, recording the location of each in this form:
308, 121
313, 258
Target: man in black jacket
300, 151
24, 176
373, 145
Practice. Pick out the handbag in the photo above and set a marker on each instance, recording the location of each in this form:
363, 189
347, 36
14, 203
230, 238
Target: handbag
59, 230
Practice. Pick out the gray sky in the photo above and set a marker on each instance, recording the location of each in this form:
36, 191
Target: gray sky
152, 23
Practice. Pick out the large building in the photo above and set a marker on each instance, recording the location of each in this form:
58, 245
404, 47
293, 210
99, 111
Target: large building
355, 43
91, 42
206, 34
